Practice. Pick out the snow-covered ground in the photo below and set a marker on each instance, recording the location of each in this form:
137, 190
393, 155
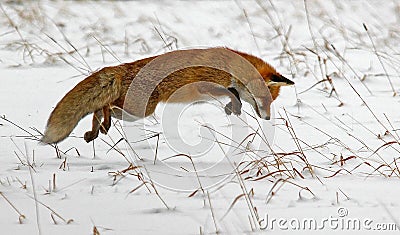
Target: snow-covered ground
327, 162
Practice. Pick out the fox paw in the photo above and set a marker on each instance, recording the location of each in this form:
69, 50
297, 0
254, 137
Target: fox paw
90, 135
235, 109
104, 128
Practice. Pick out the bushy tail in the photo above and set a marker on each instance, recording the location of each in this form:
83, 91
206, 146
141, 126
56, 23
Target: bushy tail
91, 94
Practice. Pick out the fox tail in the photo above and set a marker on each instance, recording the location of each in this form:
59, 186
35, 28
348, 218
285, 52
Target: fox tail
91, 94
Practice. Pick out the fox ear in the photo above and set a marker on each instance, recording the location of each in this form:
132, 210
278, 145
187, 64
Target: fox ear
279, 80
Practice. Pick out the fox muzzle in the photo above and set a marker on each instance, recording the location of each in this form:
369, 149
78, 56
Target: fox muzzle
263, 108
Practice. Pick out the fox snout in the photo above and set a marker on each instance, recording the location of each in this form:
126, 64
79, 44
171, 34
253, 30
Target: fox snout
263, 108
263, 104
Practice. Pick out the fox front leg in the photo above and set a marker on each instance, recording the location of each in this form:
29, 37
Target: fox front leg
235, 105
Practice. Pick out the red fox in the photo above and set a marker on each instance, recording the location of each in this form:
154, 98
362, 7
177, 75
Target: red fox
104, 93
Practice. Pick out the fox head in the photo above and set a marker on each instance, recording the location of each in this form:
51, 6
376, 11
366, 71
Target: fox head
261, 101
259, 97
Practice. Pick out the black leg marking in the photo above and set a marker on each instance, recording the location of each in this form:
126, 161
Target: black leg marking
235, 105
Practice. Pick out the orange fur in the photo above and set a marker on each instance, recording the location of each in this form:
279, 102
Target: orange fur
104, 92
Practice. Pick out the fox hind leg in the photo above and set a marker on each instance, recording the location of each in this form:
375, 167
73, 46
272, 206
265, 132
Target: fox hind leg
92, 134
106, 124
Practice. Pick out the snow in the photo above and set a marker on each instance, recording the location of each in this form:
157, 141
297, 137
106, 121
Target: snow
338, 151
